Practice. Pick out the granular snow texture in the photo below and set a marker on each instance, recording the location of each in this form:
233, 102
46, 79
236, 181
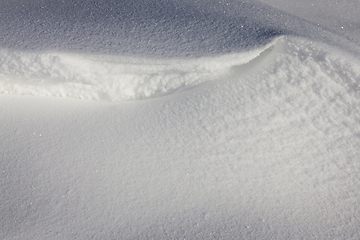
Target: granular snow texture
204, 120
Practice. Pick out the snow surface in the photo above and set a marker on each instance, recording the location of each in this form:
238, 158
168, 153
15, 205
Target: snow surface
244, 120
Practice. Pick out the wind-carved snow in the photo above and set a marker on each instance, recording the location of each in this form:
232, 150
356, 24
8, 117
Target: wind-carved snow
115, 78
262, 143
270, 149
110, 78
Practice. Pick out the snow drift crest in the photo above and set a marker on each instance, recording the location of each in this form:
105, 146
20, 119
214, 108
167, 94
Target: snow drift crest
109, 78
117, 78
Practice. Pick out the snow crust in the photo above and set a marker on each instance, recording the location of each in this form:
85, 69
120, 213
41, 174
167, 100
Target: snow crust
253, 134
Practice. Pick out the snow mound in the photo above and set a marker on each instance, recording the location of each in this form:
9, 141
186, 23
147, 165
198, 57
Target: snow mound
109, 78
273, 153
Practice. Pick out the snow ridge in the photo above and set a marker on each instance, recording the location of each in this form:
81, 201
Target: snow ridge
119, 78
109, 78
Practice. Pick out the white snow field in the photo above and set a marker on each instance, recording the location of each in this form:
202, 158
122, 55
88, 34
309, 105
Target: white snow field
164, 119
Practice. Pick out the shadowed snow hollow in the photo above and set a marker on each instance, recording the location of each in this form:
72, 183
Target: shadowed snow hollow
161, 28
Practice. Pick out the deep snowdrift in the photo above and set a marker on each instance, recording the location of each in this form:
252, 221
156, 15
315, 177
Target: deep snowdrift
251, 133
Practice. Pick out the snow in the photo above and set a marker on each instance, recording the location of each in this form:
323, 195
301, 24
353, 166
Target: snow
251, 134
102, 77
340, 17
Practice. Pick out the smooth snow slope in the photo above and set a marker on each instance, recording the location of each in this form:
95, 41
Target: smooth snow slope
143, 28
341, 17
252, 135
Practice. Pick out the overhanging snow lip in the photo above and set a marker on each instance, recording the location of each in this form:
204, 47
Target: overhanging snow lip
112, 78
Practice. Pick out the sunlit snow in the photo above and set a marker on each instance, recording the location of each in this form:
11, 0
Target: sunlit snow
179, 119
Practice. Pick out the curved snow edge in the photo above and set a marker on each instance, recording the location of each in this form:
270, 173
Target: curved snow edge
109, 78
